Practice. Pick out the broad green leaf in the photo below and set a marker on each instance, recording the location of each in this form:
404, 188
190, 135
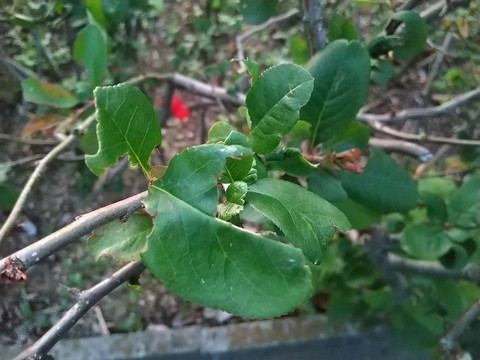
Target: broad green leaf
122, 241
216, 264
127, 123
274, 102
341, 73
464, 204
307, 221
442, 187
90, 50
341, 28
44, 93
436, 207
354, 135
360, 217
326, 185
256, 12
219, 132
413, 36
425, 241
237, 169
290, 160
384, 186
299, 133
192, 174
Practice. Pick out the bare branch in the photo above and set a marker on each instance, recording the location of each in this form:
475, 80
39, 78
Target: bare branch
27, 141
415, 150
86, 300
313, 12
421, 138
440, 8
409, 114
272, 21
437, 63
448, 341
432, 268
83, 225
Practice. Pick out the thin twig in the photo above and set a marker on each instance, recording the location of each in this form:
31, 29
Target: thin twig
101, 320
422, 138
448, 341
272, 21
27, 141
83, 225
86, 300
415, 150
418, 113
437, 63
439, 9
36, 175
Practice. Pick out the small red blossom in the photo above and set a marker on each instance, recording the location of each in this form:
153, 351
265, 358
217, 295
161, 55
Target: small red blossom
177, 107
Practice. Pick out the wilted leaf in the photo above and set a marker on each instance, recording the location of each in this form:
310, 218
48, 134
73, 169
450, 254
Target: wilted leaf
44, 93
41, 122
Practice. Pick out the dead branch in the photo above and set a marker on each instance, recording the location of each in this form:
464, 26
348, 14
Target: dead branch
83, 225
86, 299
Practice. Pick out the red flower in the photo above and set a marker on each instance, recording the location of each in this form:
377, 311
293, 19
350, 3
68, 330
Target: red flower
177, 107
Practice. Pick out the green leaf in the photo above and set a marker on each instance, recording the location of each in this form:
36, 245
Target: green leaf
341, 28
219, 132
192, 174
237, 169
307, 221
8, 197
341, 73
256, 12
298, 48
290, 160
354, 135
425, 241
127, 123
236, 192
95, 8
436, 207
274, 102
327, 186
90, 50
122, 241
383, 186
216, 264
464, 204
360, 217
44, 93
253, 69
382, 71
414, 34
442, 187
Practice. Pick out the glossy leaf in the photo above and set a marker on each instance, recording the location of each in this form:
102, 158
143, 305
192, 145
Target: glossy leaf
354, 135
274, 102
341, 73
307, 221
128, 124
90, 50
290, 160
121, 241
464, 204
192, 174
326, 185
425, 241
256, 12
44, 93
383, 186
341, 28
213, 263
360, 217
237, 169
